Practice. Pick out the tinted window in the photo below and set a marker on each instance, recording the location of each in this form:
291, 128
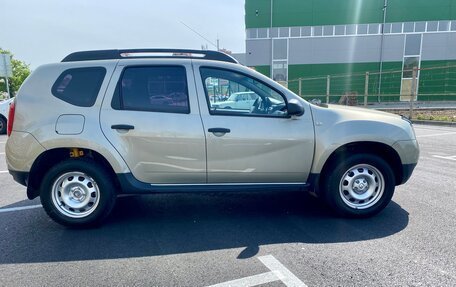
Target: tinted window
420, 26
306, 31
409, 27
295, 31
232, 93
350, 29
155, 89
412, 44
79, 86
432, 26
317, 30
340, 30
362, 29
396, 28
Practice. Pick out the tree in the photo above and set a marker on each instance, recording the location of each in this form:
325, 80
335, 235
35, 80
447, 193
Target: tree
20, 72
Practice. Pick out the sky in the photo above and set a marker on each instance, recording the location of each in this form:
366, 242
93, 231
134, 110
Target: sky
45, 31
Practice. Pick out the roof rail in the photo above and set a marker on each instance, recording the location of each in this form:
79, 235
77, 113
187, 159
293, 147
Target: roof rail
149, 53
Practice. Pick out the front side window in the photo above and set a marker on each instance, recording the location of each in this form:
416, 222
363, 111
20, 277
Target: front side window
153, 89
79, 86
233, 93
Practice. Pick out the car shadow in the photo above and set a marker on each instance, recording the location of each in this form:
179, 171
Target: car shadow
164, 224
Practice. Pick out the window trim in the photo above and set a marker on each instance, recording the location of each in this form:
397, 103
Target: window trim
121, 105
230, 113
61, 76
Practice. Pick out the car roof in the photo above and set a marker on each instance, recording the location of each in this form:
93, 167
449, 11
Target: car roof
149, 53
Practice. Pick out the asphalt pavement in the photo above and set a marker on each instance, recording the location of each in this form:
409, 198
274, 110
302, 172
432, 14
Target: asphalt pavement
270, 238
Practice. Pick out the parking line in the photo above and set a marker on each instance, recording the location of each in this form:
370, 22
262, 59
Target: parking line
2, 153
19, 208
274, 265
254, 280
278, 273
452, 157
434, 135
3, 171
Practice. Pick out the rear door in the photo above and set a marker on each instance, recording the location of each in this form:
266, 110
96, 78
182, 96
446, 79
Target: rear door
153, 120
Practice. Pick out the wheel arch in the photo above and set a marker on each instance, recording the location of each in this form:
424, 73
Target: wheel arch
51, 157
382, 150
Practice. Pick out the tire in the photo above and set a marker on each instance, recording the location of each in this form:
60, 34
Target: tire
360, 185
78, 193
2, 126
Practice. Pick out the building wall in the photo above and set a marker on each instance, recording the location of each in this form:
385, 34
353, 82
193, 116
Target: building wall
336, 12
311, 38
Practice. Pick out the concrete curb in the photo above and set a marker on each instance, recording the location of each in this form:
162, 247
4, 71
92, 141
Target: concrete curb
434, 123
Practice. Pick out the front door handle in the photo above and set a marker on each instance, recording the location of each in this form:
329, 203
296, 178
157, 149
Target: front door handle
122, 127
219, 130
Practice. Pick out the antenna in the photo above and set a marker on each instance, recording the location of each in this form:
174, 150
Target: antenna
197, 33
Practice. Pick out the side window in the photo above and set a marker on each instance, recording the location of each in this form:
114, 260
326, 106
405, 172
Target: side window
233, 93
79, 86
153, 89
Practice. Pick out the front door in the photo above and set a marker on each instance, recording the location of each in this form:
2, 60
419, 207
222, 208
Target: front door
258, 143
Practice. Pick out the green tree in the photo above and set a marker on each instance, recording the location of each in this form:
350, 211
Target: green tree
20, 72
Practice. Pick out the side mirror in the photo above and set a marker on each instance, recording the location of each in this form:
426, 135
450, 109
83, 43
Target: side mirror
295, 108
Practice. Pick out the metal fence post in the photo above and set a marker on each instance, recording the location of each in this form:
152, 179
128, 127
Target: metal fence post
328, 83
366, 88
300, 87
413, 91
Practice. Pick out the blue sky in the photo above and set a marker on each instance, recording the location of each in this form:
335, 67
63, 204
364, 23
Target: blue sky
40, 32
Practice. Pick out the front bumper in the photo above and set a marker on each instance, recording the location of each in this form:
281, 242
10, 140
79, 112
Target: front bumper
407, 170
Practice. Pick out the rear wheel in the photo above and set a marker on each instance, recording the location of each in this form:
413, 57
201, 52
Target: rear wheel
359, 186
2, 126
78, 193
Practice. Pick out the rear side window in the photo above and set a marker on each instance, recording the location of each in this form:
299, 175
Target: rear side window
79, 86
153, 89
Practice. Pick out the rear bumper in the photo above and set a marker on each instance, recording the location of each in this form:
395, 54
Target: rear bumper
20, 177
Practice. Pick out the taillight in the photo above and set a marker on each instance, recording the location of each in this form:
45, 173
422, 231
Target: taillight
12, 110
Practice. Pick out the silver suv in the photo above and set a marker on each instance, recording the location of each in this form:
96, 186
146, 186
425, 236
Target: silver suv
104, 123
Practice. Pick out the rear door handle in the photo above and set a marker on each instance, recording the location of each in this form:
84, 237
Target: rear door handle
219, 130
122, 127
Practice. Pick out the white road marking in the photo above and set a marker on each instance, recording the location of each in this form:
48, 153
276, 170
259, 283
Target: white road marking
2, 142
19, 208
278, 273
435, 135
451, 157
254, 280
3, 171
274, 265
2, 153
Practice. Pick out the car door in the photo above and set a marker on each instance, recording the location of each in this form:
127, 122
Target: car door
151, 116
258, 144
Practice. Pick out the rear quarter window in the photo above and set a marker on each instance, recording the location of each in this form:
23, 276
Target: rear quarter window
79, 86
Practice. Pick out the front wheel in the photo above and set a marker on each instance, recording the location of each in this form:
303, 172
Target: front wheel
78, 193
359, 185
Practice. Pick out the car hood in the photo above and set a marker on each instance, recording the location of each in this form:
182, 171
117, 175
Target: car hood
361, 123
361, 112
